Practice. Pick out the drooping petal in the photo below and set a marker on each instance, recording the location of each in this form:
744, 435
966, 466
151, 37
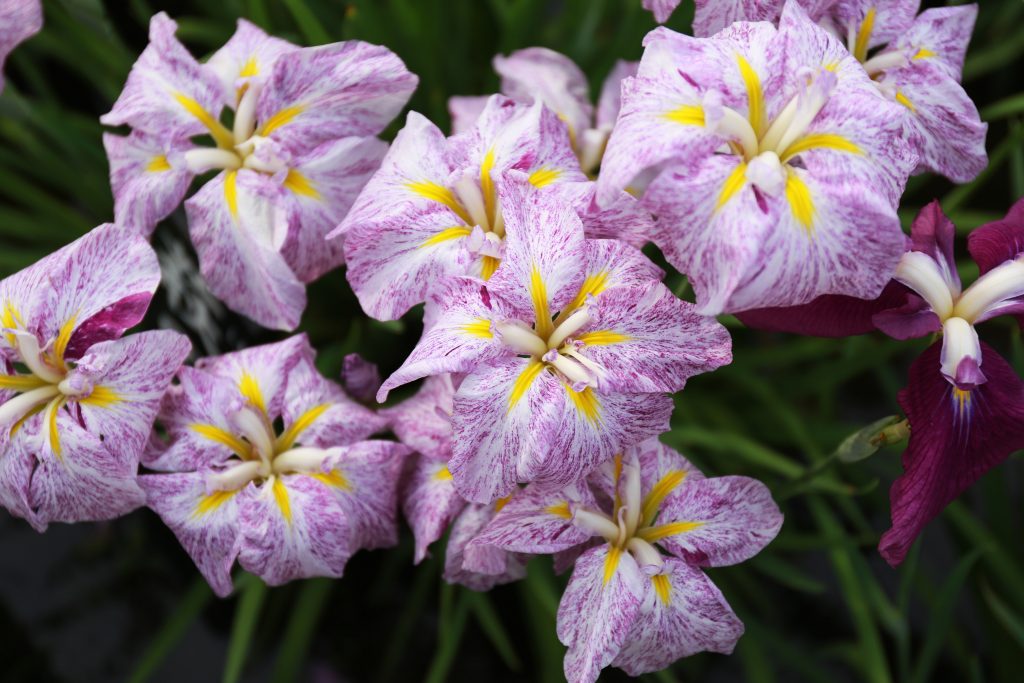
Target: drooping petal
465, 110
461, 338
17, 463
994, 243
688, 615
647, 340
717, 521
249, 55
293, 528
429, 501
478, 567
206, 524
333, 91
538, 520
423, 422
168, 93
236, 222
319, 191
955, 437
19, 19
148, 176
941, 34
598, 611
610, 100
360, 377
711, 16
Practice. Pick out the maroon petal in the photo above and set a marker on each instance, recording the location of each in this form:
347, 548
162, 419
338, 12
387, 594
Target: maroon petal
110, 323
994, 243
955, 437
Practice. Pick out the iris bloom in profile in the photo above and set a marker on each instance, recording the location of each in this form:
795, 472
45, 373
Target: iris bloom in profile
268, 464
537, 73
299, 149
19, 21
568, 351
78, 400
638, 598
433, 209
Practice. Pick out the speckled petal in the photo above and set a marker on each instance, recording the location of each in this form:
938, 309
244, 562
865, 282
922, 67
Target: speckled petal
624, 218
429, 501
662, 9
249, 55
537, 73
465, 110
424, 421
19, 20
17, 463
711, 16
538, 520
490, 566
944, 32
610, 100
890, 19
258, 373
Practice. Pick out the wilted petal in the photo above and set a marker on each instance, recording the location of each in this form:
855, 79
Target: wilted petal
360, 377
249, 55
429, 501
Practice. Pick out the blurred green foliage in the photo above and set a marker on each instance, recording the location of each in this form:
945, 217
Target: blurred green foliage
819, 604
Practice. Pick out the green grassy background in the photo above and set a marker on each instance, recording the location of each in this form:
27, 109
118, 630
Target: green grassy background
121, 601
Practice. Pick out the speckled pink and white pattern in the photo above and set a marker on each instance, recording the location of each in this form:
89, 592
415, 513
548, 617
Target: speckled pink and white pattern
19, 20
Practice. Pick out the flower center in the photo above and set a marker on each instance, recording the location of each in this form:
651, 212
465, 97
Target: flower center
557, 349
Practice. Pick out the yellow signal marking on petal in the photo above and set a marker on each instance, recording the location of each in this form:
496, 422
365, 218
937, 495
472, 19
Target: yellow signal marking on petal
963, 400
860, 46
442, 195
443, 474
489, 266
603, 338
446, 235
662, 587
687, 114
755, 98
487, 185
733, 184
250, 68
831, 66
101, 397
224, 138
800, 202
656, 496
502, 502
593, 285
611, 564
281, 118
52, 411
905, 101
820, 141
211, 502
656, 533
231, 192
21, 382
559, 510
333, 478
158, 164
925, 53
20, 423
11, 319
544, 176
281, 496
250, 389
523, 382
539, 295
299, 184
60, 345
586, 402
301, 424
223, 437
479, 328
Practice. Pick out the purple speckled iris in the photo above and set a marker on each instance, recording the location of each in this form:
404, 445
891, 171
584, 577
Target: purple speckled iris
772, 161
301, 147
77, 401
568, 351
19, 20
641, 532
433, 209
286, 504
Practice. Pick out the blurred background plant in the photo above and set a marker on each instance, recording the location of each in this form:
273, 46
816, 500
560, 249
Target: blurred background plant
122, 601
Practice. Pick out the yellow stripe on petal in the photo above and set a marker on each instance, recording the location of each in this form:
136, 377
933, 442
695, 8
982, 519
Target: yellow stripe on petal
656, 533
224, 137
479, 328
223, 437
544, 176
489, 266
443, 474
301, 424
250, 389
925, 53
603, 338
487, 186
559, 510
687, 114
820, 141
733, 184
502, 502
281, 118
60, 346
21, 382
442, 195
231, 192
586, 403
101, 397
800, 202
653, 500
905, 101
250, 68
334, 479
52, 412
611, 564
755, 98
592, 285
662, 588
281, 497
300, 184
860, 47
523, 382
539, 295
158, 164
211, 502
446, 235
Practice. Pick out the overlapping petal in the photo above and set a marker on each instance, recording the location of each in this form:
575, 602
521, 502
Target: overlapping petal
19, 20
537, 73
478, 567
429, 501
249, 55
538, 520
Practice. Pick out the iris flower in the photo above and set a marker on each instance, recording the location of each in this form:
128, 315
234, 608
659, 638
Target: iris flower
268, 463
568, 350
78, 400
300, 147
777, 163
638, 598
